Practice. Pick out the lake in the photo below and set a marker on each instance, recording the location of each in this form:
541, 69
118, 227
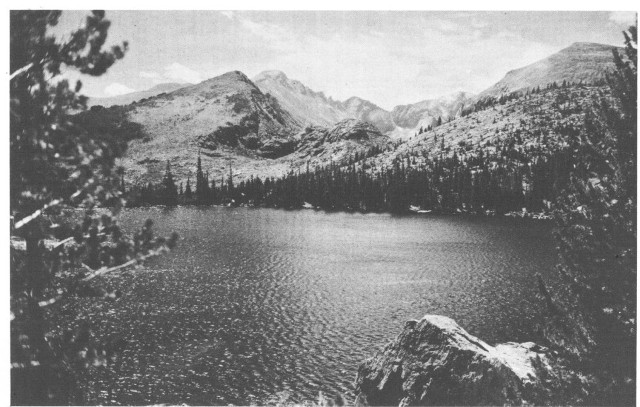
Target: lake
260, 304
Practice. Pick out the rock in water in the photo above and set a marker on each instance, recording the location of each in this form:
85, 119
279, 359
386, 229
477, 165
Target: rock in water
436, 362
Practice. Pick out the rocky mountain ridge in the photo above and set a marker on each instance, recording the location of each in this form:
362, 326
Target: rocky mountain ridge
314, 108
318, 146
307, 106
226, 116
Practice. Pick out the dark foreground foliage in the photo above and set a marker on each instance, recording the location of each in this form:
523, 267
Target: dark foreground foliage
592, 318
59, 162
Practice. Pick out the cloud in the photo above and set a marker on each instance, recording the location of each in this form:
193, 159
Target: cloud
485, 59
150, 75
116, 89
181, 73
155, 77
444, 57
174, 72
625, 18
228, 14
276, 36
447, 25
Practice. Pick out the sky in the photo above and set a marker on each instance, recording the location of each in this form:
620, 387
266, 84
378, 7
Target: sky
387, 57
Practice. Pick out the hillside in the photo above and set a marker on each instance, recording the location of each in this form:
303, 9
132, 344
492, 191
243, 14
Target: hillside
537, 121
129, 98
580, 62
227, 117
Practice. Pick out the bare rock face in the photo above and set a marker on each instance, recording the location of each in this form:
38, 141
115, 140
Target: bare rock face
306, 106
320, 145
436, 362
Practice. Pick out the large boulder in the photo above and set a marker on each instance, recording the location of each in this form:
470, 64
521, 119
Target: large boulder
436, 362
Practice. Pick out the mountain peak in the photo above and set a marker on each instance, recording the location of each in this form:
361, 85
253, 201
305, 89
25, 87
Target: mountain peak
355, 99
233, 75
233, 80
585, 62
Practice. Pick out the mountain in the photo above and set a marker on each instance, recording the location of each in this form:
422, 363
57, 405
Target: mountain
580, 62
128, 98
315, 109
305, 105
366, 111
425, 113
227, 117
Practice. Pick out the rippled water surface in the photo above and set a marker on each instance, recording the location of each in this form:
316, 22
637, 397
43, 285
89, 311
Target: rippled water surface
257, 302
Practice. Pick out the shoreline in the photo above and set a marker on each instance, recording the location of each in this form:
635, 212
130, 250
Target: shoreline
538, 216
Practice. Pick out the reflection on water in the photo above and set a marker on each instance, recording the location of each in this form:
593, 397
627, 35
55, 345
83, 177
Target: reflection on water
255, 302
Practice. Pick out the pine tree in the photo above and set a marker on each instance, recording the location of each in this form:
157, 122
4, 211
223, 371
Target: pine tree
595, 311
201, 185
169, 190
188, 193
230, 188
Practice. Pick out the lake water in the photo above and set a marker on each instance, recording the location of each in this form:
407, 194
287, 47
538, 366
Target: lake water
257, 304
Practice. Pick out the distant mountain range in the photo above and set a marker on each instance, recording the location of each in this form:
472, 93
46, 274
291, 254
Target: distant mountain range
272, 123
314, 108
307, 106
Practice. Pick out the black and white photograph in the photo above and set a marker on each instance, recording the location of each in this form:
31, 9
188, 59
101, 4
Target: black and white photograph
319, 208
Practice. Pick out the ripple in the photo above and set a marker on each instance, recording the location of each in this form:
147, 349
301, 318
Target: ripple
258, 302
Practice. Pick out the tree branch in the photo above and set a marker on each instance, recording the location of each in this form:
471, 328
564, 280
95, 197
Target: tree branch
37, 213
105, 270
21, 71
